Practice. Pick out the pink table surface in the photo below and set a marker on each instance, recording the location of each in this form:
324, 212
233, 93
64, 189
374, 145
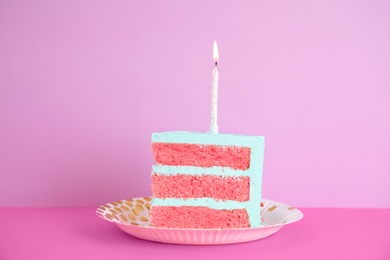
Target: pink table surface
77, 233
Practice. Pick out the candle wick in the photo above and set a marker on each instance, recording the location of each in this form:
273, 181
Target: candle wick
216, 63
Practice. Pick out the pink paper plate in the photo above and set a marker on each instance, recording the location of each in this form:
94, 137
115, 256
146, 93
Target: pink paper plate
132, 216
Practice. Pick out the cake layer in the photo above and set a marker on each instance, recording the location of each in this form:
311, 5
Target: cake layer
201, 186
176, 154
198, 217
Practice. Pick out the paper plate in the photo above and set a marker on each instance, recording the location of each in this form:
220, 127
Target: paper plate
132, 216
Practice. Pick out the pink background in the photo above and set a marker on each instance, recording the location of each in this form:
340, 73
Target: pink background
83, 84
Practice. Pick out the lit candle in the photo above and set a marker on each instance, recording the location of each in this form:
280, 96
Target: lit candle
214, 92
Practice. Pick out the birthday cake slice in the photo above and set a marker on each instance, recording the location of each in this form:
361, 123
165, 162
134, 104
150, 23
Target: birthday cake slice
203, 180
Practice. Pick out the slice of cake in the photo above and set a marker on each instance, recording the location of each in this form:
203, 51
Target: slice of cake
203, 180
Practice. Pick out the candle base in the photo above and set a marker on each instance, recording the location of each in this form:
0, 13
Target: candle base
214, 129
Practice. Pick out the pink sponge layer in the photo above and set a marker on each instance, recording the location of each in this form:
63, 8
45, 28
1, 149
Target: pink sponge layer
198, 217
201, 155
204, 186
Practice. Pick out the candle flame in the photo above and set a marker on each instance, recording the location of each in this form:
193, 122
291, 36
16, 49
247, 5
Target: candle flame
215, 52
